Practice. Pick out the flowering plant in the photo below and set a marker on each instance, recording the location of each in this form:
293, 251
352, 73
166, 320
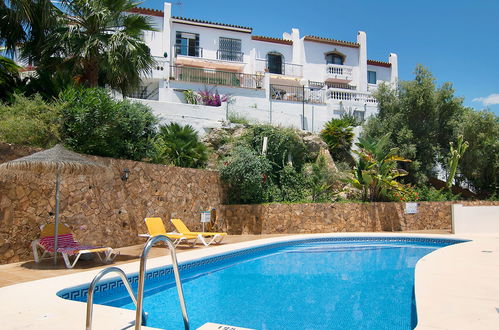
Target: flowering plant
210, 98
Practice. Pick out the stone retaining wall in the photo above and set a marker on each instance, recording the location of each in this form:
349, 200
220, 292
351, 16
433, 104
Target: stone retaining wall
337, 217
105, 210
101, 210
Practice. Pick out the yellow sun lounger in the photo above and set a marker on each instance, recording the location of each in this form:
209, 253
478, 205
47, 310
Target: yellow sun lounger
67, 246
182, 228
156, 227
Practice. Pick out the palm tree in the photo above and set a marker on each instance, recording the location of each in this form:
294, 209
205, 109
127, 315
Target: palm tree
95, 42
180, 146
100, 42
9, 77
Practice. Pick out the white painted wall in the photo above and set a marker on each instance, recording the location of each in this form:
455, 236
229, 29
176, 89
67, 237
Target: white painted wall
475, 219
382, 73
263, 47
209, 39
315, 60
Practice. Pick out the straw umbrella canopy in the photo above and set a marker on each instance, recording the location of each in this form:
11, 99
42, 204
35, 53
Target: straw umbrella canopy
57, 160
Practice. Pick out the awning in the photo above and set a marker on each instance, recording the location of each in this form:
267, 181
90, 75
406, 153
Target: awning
206, 64
338, 80
284, 80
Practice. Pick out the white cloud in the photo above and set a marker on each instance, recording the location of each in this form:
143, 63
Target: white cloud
489, 100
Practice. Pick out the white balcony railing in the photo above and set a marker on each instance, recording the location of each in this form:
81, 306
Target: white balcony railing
336, 71
347, 95
288, 69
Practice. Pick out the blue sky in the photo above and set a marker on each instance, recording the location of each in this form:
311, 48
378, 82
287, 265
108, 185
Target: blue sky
458, 40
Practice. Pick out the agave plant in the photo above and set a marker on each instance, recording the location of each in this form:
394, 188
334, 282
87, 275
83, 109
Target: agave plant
376, 169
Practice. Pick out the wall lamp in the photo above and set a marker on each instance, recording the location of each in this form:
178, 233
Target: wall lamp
125, 174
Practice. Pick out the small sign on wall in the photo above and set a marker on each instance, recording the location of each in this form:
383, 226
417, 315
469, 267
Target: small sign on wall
411, 208
205, 216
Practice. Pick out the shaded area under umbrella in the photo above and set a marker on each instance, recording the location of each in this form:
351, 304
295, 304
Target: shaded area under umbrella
57, 160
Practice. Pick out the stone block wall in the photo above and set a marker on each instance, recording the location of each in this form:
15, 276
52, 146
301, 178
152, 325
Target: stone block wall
337, 217
100, 209
105, 210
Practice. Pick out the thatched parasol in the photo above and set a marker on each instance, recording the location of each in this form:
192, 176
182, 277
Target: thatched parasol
57, 160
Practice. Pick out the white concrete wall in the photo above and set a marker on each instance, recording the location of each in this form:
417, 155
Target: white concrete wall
255, 108
475, 219
315, 60
209, 39
382, 73
262, 48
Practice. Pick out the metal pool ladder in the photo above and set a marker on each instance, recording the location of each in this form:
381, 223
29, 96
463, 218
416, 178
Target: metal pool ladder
91, 289
140, 316
140, 293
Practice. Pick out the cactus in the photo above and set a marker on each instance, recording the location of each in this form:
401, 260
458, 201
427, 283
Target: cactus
453, 160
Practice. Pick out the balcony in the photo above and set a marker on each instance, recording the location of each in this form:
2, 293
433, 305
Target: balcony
215, 77
287, 69
226, 55
347, 95
336, 73
186, 50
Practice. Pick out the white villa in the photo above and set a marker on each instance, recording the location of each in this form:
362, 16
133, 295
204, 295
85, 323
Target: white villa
300, 81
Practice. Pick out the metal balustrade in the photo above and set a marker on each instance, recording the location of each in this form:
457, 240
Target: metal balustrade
187, 50
226, 55
215, 77
288, 69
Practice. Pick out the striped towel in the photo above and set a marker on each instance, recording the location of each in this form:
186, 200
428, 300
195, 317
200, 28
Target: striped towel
66, 244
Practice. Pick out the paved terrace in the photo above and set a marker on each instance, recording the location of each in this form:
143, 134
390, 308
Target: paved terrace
456, 286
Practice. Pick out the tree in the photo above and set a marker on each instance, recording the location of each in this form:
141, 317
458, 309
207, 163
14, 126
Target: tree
180, 146
479, 166
95, 123
9, 78
94, 42
101, 41
421, 119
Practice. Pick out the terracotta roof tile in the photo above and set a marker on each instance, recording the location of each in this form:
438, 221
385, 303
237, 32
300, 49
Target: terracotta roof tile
379, 63
332, 41
146, 11
274, 40
214, 23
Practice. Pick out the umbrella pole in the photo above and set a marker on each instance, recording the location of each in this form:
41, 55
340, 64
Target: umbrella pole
56, 227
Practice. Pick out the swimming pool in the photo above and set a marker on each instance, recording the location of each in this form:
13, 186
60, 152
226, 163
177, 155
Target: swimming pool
320, 283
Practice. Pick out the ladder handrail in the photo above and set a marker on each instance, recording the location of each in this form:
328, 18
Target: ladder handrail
91, 288
140, 291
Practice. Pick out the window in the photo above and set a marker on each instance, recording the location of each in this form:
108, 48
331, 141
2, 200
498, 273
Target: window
334, 58
371, 77
275, 63
187, 44
230, 49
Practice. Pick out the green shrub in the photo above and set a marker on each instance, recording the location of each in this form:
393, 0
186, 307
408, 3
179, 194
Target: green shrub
292, 186
94, 123
180, 146
30, 121
237, 118
431, 194
246, 174
284, 144
338, 135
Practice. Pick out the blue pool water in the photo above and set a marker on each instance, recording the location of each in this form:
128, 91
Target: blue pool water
311, 285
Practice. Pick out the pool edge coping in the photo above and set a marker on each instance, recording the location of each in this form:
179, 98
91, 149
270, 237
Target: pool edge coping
55, 312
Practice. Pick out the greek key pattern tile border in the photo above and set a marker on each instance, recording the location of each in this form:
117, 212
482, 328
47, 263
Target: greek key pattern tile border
79, 293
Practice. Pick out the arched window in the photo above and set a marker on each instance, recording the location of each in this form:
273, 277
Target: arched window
335, 58
275, 63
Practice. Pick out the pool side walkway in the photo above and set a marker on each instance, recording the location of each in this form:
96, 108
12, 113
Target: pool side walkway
456, 287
